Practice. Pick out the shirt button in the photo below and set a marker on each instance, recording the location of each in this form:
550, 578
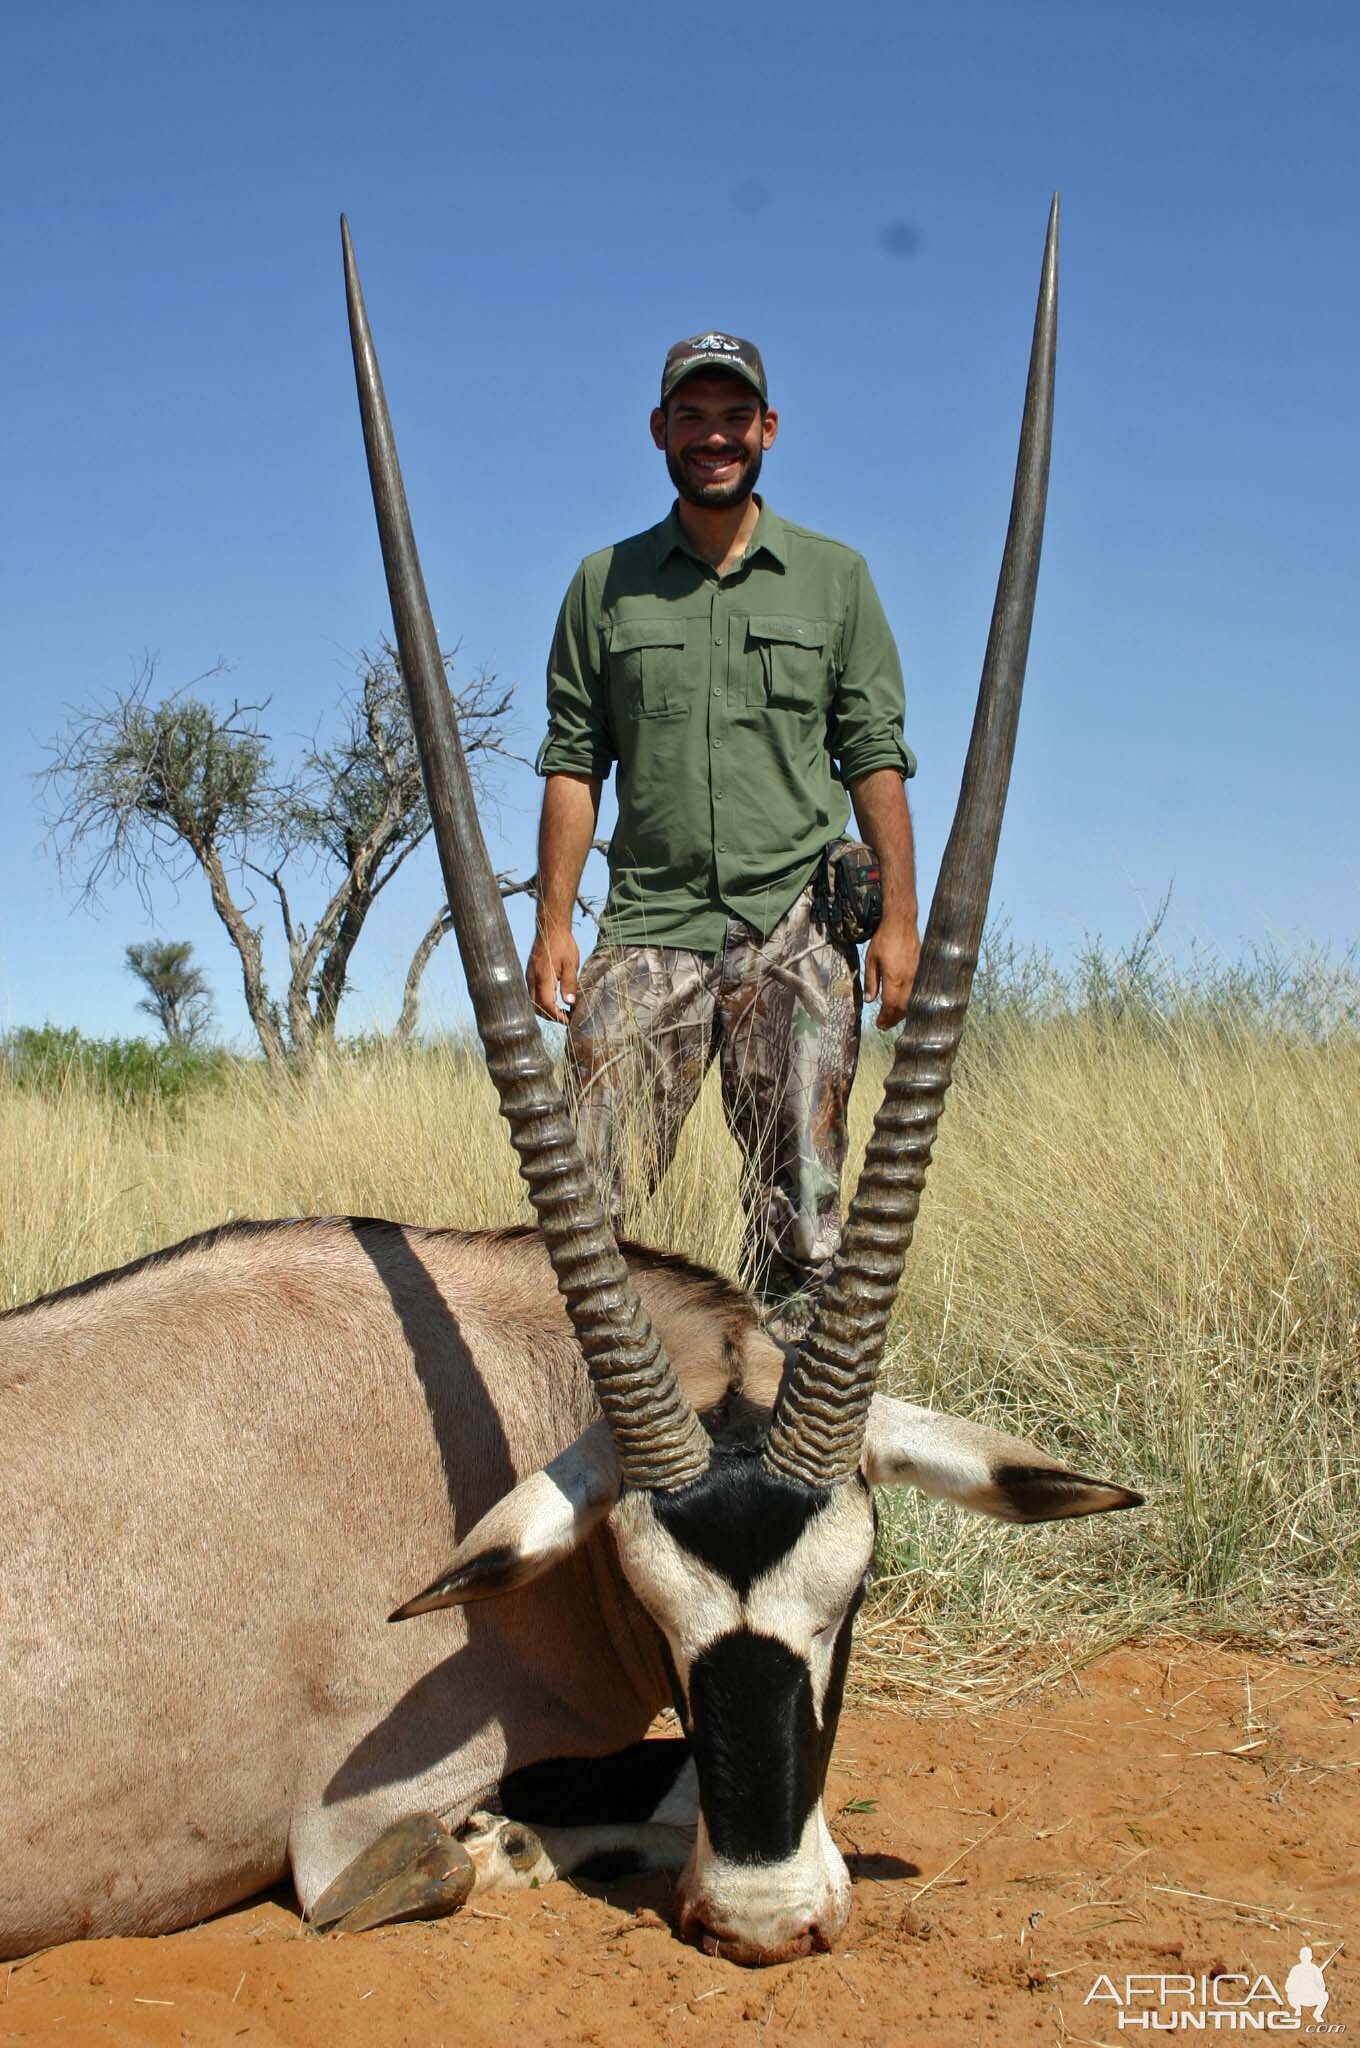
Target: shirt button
717, 639
717, 743
722, 846
717, 693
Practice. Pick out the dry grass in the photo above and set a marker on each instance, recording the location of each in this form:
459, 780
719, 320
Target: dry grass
1140, 1244
87, 1186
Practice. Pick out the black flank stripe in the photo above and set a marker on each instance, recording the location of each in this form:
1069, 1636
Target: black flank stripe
607, 1864
594, 1791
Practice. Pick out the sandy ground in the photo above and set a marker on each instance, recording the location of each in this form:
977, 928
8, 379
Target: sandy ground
1172, 1809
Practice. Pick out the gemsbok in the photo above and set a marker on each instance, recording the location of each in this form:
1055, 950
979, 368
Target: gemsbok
226, 1462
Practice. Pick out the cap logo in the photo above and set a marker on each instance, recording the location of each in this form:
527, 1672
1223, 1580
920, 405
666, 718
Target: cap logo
713, 350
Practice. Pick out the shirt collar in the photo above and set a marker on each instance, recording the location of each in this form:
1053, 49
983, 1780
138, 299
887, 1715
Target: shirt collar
770, 536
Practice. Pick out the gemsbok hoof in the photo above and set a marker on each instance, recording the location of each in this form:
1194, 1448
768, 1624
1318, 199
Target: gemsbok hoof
415, 1870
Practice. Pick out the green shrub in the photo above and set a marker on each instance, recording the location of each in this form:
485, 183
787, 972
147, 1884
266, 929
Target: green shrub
132, 1072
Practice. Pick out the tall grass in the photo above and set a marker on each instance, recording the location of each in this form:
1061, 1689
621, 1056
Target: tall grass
89, 1178
1144, 1250
1140, 1245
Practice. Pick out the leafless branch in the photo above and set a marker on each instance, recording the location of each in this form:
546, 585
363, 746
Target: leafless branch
146, 788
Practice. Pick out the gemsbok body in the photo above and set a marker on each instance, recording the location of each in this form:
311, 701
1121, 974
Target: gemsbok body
229, 1462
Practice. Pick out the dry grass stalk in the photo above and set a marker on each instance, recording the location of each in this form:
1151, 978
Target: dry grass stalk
1140, 1246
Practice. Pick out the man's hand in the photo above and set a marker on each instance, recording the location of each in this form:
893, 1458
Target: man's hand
895, 949
890, 963
571, 805
554, 961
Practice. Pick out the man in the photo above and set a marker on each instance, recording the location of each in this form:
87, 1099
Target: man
741, 674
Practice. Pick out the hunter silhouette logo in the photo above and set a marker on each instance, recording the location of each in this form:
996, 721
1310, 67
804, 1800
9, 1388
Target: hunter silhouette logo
1306, 1986
1230, 2001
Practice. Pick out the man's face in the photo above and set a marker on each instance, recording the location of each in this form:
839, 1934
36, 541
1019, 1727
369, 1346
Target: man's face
713, 435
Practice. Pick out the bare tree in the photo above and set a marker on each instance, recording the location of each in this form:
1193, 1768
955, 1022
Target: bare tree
443, 923
145, 787
177, 992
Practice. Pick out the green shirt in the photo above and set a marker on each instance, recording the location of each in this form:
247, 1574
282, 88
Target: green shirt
738, 708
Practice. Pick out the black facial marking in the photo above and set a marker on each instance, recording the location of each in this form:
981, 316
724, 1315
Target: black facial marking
603, 1791
835, 1680
757, 1746
739, 1518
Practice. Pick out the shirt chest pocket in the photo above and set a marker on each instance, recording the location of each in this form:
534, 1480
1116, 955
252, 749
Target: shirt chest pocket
785, 662
646, 667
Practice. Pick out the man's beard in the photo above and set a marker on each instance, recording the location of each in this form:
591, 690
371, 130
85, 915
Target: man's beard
735, 493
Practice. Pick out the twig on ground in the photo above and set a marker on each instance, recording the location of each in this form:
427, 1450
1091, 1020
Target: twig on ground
966, 1850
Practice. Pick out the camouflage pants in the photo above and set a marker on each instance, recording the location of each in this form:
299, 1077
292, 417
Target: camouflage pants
782, 1016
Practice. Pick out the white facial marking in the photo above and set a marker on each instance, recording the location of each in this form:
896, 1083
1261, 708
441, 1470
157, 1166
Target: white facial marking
770, 1905
690, 1603
800, 1601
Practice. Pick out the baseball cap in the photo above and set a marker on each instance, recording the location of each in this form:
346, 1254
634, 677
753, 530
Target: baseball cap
714, 350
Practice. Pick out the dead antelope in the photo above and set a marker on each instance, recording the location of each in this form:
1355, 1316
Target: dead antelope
227, 1461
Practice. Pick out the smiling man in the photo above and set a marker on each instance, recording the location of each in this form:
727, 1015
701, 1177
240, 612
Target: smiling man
739, 674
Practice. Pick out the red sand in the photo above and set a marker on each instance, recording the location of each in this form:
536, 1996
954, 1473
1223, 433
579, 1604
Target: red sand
1169, 1809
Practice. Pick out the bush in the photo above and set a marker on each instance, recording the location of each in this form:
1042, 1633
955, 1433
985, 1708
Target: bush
132, 1072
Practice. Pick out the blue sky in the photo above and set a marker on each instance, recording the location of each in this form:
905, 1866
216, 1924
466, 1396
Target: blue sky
543, 200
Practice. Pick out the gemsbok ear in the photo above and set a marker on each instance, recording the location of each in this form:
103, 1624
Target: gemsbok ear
531, 1528
978, 1468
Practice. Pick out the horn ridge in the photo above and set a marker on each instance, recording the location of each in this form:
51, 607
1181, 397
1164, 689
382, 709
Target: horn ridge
817, 1432
647, 1411
661, 1442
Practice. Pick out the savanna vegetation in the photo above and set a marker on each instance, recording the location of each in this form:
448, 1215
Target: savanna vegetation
1140, 1244
151, 787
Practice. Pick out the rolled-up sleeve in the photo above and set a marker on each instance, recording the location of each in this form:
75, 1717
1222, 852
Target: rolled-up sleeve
869, 706
578, 739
